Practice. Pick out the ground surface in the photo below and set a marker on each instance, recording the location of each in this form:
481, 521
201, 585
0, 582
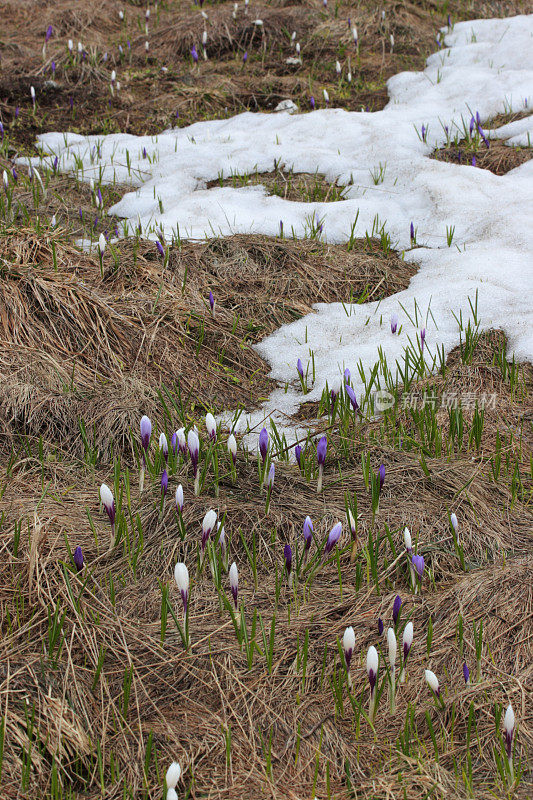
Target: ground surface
98, 692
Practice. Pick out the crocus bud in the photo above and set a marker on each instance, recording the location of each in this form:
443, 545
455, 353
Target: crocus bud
70, 45
163, 445
181, 440
108, 502
174, 771
392, 646
204, 38
287, 554
466, 673
121, 17
326, 97
212, 303
181, 576
351, 523
333, 537
146, 432
32, 93
338, 69
380, 626
174, 442
372, 663
312, 103
222, 540
164, 483
232, 447
298, 455
394, 323
299, 368
508, 726
418, 564
271, 476
245, 57
407, 540
263, 443
234, 582
351, 394
432, 681
308, 533
211, 426
78, 558
396, 608
453, 520
179, 498
321, 450
193, 443
381, 473
208, 526
422, 338
407, 641
194, 54
348, 645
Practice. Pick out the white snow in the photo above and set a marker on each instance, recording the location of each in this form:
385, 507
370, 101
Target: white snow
486, 66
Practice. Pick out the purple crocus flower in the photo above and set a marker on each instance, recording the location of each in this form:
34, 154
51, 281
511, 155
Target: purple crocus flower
106, 496
347, 375
71, 102
245, 57
263, 443
164, 482
381, 473
396, 608
321, 450
509, 726
78, 558
466, 673
394, 323
173, 442
299, 368
418, 564
194, 54
146, 432
48, 34
412, 232
212, 302
424, 133
281, 228
474, 162
298, 455
234, 583
14, 173
312, 103
308, 533
54, 165
160, 248
333, 396
17, 112
351, 394
1, 130
380, 626
472, 125
53, 67
333, 537
287, 553
193, 444
423, 338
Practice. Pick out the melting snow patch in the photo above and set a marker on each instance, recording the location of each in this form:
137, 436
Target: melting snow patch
473, 229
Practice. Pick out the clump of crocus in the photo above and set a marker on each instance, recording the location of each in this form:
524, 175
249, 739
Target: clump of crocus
321, 451
208, 526
348, 646
78, 558
234, 583
407, 641
509, 726
372, 666
287, 554
392, 646
193, 444
172, 777
418, 567
181, 576
269, 485
163, 446
211, 426
106, 496
146, 432
333, 537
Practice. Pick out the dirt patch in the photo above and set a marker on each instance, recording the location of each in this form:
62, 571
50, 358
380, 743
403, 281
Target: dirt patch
298, 186
498, 158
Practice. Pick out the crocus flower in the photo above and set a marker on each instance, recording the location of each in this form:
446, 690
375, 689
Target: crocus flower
78, 558
270, 476
394, 323
351, 394
472, 125
32, 93
181, 576
298, 455
466, 673
392, 647
418, 566
432, 681
160, 248
263, 443
333, 537
234, 582
222, 541
509, 726
453, 520
348, 645
299, 368
347, 375
352, 524
326, 97
212, 303
174, 771
163, 445
174, 442
179, 498
372, 666
48, 34
194, 54
396, 608
321, 458
422, 338
338, 69
308, 533
208, 526
211, 426
193, 443
164, 483
408, 542
106, 496
245, 57
312, 103
380, 626
407, 641
146, 432
182, 441
287, 554
381, 473
424, 132
232, 448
